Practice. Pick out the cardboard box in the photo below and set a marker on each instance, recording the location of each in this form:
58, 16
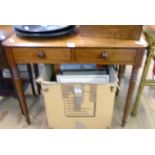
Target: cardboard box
79, 105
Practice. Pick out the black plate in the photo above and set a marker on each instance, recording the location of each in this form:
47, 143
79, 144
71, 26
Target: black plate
46, 34
40, 28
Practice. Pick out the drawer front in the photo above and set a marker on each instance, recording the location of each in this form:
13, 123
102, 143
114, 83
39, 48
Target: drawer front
42, 55
105, 55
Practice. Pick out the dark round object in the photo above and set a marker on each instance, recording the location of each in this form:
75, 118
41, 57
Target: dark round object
38, 32
40, 28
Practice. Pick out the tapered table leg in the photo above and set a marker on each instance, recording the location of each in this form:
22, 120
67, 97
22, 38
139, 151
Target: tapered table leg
130, 93
17, 83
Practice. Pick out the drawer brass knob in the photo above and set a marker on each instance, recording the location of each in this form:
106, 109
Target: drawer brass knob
105, 55
41, 54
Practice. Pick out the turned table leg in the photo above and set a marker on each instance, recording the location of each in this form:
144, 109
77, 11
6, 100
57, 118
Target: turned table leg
18, 83
130, 93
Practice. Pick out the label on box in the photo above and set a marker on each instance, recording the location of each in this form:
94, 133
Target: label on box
79, 100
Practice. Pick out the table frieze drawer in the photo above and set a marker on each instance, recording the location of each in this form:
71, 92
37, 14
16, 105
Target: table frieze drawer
42, 55
105, 55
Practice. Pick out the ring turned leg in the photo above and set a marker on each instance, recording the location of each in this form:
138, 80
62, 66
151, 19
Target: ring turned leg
130, 93
17, 83
19, 89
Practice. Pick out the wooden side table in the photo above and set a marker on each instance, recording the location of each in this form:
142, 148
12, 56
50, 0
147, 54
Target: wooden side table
74, 49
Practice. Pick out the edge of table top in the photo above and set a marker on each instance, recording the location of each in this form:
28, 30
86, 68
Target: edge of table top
73, 40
